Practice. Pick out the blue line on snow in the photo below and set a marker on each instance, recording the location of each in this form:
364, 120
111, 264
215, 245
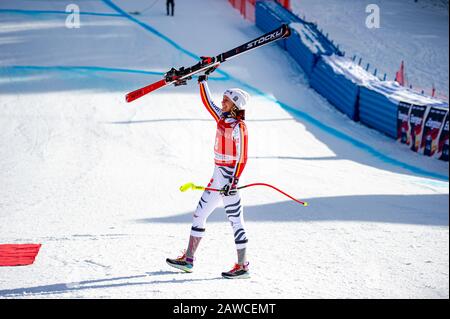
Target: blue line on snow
79, 68
157, 33
149, 28
34, 12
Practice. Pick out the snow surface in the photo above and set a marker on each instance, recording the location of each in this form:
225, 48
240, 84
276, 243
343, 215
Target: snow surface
415, 32
95, 180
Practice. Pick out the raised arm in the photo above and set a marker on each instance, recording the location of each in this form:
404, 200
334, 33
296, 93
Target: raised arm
215, 111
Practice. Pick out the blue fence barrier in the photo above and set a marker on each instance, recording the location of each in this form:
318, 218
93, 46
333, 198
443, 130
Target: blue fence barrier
267, 20
378, 112
300, 53
305, 45
337, 88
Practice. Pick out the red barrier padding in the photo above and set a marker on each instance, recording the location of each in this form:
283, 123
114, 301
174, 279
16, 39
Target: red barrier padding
18, 254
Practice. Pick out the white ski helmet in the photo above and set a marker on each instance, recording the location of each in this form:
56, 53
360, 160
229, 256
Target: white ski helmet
238, 97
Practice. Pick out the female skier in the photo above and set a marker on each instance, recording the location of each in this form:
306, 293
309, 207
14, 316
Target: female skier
230, 152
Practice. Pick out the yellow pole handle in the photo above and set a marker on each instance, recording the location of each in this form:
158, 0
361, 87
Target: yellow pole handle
189, 186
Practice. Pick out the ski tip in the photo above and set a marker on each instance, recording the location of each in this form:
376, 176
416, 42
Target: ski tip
130, 97
305, 204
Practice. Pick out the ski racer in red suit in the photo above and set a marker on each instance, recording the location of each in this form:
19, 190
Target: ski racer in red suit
230, 158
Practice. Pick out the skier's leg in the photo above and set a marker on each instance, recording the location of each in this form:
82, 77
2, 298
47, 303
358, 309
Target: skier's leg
194, 241
206, 205
208, 202
235, 214
234, 210
242, 256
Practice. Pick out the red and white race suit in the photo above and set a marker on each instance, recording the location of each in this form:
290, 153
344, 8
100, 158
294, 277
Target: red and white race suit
230, 157
230, 148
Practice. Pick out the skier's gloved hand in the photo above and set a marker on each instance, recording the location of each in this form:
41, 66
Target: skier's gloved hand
231, 188
182, 82
202, 78
211, 70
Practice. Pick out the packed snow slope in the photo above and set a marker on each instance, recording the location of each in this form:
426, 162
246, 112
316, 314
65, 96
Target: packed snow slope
96, 180
409, 31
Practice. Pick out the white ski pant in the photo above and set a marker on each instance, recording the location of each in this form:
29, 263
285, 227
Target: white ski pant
232, 204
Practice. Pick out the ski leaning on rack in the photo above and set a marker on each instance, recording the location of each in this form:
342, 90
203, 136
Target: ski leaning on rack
180, 76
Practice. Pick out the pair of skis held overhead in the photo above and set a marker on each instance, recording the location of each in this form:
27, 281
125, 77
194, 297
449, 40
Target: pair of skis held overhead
207, 65
181, 75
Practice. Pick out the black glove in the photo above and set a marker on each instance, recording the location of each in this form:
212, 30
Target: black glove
211, 70
202, 78
231, 188
182, 82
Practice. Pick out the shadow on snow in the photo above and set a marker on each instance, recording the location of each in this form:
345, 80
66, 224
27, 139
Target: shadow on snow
61, 288
429, 210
